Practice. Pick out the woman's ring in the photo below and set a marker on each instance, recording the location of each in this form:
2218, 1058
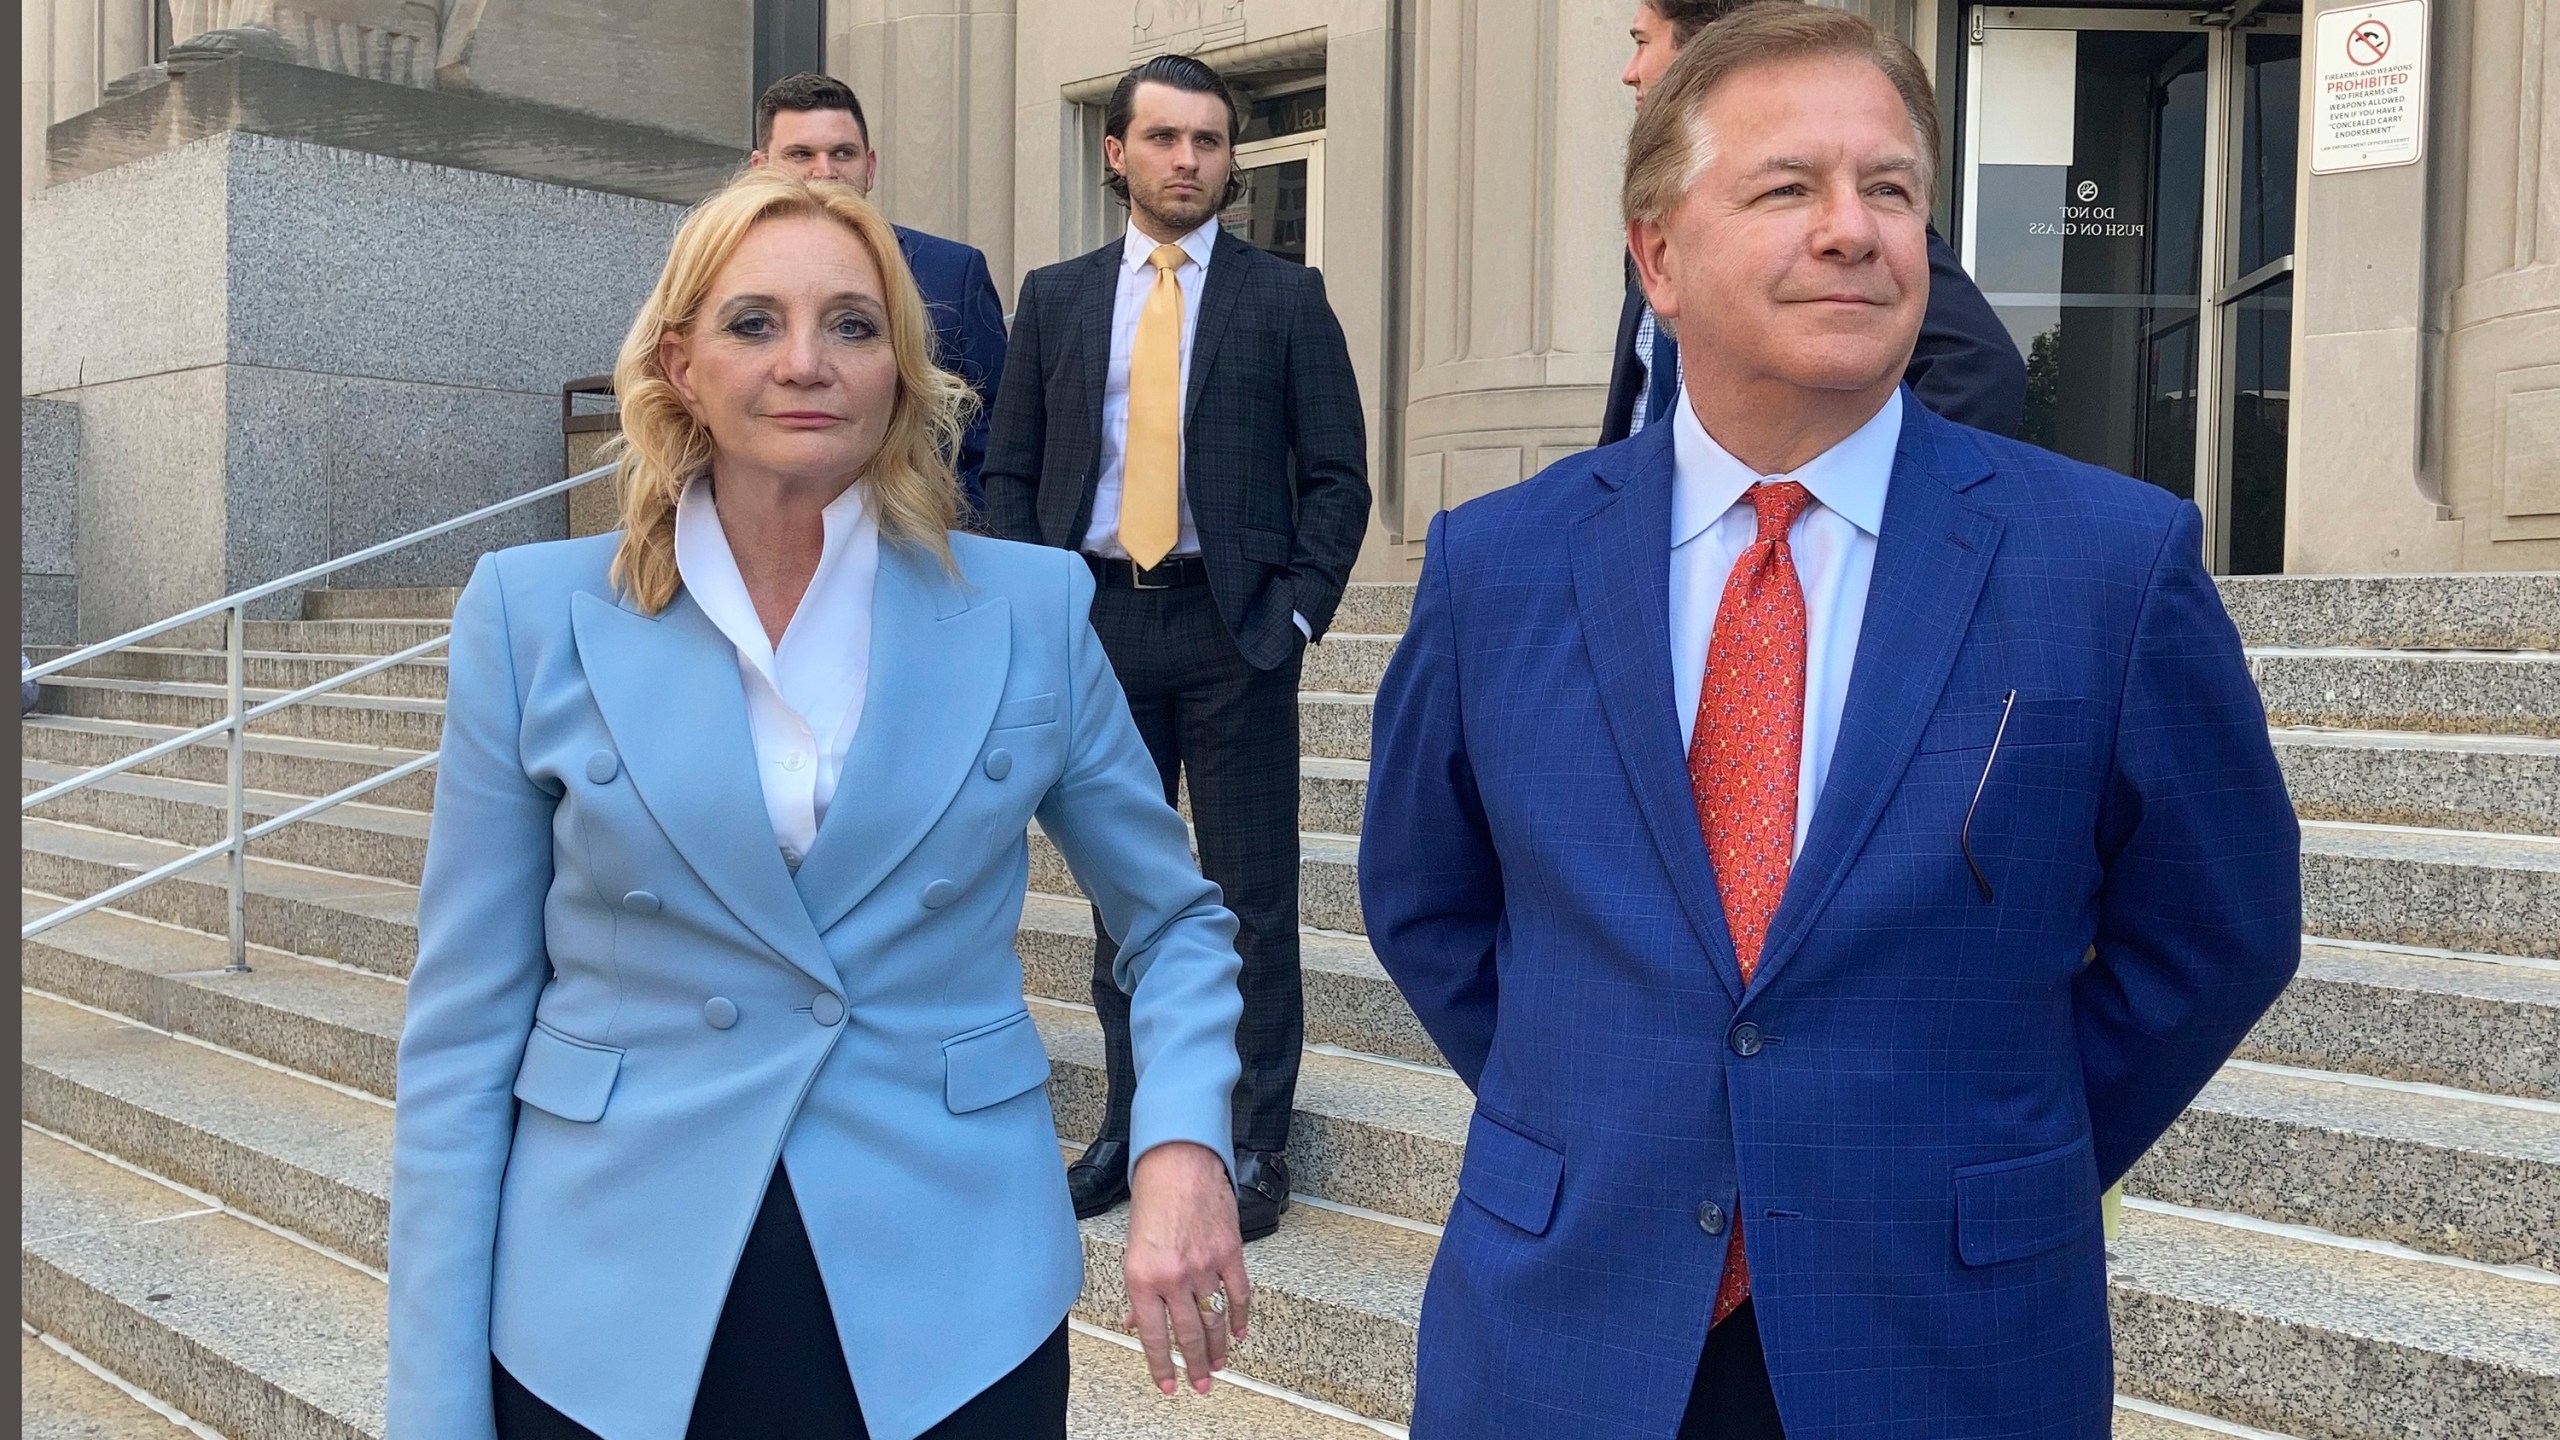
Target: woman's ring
1215, 1304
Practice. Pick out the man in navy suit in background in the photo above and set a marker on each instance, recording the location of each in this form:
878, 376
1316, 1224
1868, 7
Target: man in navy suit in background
1831, 842
1965, 367
813, 126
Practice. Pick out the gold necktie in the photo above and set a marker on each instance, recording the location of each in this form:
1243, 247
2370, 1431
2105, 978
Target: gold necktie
1151, 462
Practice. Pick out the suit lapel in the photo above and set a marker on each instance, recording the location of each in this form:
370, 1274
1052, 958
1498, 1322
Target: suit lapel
1093, 336
1218, 292
670, 694
938, 667
1622, 586
1932, 557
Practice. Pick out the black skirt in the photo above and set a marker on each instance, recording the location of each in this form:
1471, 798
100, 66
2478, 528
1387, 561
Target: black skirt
776, 1369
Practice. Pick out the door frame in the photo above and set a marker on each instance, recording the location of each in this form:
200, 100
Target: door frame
1307, 146
2218, 290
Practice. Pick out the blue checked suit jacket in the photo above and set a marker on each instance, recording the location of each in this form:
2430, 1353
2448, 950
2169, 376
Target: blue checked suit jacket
1936, 1087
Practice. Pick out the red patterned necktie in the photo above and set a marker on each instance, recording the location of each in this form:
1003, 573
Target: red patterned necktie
1745, 752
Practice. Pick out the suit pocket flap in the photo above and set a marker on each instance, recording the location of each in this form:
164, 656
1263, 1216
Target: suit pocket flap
992, 1063
1510, 1174
1029, 710
1268, 546
568, 1078
2010, 1209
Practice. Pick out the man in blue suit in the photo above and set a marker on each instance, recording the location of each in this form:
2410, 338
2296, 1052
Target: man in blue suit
1831, 842
813, 126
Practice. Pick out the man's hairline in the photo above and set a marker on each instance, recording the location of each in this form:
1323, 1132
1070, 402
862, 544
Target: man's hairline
1701, 136
859, 123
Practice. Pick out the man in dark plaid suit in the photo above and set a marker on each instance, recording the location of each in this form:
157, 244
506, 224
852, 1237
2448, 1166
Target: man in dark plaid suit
1180, 407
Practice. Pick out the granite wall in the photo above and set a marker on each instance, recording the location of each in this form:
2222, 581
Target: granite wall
282, 352
49, 498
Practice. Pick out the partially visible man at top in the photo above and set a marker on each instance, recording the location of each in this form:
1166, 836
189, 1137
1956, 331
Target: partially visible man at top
1182, 410
813, 126
1965, 367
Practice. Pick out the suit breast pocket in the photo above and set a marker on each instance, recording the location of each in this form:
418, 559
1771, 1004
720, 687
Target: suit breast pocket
1972, 725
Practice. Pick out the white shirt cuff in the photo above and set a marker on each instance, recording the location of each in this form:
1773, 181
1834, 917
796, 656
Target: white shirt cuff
1302, 626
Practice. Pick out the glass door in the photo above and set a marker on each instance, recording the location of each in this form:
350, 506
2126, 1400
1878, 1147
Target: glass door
1282, 206
2108, 217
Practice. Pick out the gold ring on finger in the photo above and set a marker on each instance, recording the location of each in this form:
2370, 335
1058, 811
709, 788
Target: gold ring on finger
1212, 1304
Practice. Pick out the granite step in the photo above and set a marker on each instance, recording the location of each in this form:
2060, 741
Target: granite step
2447, 692
2513, 611
396, 722
1328, 878
1384, 1138
1347, 662
2504, 783
244, 1329
279, 763
1374, 607
2431, 1169
324, 1020
358, 921
2292, 1333
1350, 1002
2429, 1016
271, 671
60, 1399
341, 637
1333, 725
309, 1158
414, 602
351, 837
2448, 890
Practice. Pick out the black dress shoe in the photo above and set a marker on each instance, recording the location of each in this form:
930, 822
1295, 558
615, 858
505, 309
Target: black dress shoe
1101, 1179
1262, 1192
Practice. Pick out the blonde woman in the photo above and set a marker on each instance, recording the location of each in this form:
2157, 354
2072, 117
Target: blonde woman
721, 1113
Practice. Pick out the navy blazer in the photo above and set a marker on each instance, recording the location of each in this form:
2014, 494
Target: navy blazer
1915, 1104
968, 334
1965, 367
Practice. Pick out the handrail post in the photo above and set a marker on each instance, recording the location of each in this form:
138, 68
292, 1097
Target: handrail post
239, 886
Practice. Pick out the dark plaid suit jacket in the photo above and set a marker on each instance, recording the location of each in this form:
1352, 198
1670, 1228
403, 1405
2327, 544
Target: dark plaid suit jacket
1275, 452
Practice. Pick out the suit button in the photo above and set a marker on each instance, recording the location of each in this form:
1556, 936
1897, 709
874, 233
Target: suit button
826, 1010
719, 1013
602, 766
1711, 1218
999, 764
939, 894
640, 902
1746, 1039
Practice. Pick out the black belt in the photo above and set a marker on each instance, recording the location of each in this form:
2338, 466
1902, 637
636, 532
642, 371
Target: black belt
1171, 573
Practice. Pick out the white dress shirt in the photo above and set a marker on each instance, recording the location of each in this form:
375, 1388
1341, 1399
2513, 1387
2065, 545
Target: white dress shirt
805, 696
1834, 543
1137, 279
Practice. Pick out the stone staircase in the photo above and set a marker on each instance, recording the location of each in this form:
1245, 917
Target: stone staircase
2354, 1234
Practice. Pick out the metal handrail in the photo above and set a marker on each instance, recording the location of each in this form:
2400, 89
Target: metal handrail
238, 713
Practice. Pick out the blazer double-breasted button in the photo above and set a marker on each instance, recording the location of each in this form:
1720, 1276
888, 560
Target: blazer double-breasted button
602, 766
719, 1012
827, 1010
999, 764
1745, 1039
939, 894
640, 902
1711, 1217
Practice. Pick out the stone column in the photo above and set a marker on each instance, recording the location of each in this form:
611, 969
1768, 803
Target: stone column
1514, 277
2359, 497
938, 90
677, 65
2501, 373
69, 52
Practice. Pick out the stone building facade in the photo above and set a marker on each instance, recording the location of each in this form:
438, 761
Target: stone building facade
2135, 186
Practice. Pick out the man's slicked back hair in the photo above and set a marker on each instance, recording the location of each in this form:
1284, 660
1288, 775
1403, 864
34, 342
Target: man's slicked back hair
1182, 72
1671, 144
807, 90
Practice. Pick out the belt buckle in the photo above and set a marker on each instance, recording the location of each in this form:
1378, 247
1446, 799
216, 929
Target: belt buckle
1138, 577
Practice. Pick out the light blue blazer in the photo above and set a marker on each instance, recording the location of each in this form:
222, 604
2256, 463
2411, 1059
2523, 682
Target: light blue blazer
626, 1006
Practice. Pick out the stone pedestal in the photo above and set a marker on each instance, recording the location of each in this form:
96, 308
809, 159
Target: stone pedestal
282, 352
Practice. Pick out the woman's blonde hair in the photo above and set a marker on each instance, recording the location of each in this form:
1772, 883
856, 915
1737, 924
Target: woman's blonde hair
914, 490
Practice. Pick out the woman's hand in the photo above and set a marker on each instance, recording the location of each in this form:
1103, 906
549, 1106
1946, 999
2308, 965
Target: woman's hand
1183, 1251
